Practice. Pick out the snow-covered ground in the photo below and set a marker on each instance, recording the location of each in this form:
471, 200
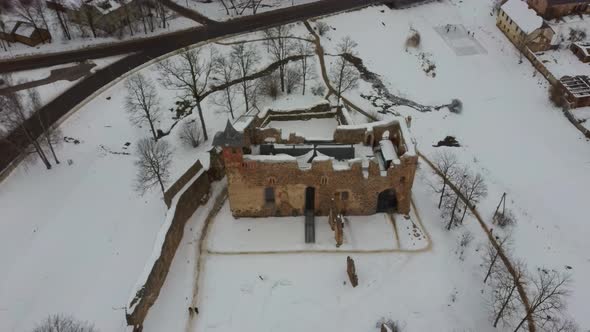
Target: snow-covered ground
49, 91
321, 129
508, 129
75, 238
311, 291
583, 115
82, 247
215, 10
563, 62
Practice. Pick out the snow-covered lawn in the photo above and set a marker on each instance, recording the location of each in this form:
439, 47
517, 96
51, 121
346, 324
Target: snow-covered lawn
75, 238
311, 292
582, 114
563, 62
508, 130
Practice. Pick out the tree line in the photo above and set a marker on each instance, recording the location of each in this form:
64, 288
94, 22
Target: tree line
80, 19
547, 289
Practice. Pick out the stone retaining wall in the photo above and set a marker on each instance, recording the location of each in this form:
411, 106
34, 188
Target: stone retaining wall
189, 200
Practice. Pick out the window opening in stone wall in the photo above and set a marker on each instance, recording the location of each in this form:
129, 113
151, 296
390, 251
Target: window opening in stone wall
344, 195
269, 195
324, 180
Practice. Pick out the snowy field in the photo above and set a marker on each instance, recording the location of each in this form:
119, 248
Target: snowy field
311, 292
83, 245
582, 114
508, 129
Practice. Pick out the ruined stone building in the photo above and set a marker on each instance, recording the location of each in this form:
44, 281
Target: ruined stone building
551, 9
351, 169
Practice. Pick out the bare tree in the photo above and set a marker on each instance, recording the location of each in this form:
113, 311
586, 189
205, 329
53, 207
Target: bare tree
451, 201
343, 74
225, 6
226, 70
50, 135
279, 45
155, 158
26, 10
269, 85
293, 79
39, 7
59, 10
474, 190
492, 255
504, 304
63, 323
142, 102
5, 6
246, 57
305, 50
190, 134
15, 116
447, 164
188, 74
86, 14
547, 298
322, 27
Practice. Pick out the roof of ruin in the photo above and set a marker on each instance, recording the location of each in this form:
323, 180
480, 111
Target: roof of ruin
230, 137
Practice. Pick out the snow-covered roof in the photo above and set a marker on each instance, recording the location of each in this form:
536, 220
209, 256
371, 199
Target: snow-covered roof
578, 86
524, 17
277, 158
230, 137
103, 6
584, 47
388, 150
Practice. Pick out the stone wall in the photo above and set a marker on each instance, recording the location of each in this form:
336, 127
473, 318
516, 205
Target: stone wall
181, 182
247, 183
257, 132
188, 202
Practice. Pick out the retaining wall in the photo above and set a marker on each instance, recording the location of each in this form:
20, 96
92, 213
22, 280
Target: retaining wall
183, 204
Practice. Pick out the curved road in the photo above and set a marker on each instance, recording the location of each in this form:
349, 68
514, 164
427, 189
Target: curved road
143, 51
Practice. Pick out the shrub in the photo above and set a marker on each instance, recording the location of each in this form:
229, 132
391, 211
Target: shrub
63, 323
318, 90
456, 106
322, 27
190, 134
413, 39
270, 86
292, 79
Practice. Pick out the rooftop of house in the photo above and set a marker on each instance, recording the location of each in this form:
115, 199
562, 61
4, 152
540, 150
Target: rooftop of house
564, 2
578, 86
103, 6
526, 18
584, 46
229, 137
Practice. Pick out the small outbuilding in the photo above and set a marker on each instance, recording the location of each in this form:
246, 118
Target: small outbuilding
576, 90
582, 51
26, 33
